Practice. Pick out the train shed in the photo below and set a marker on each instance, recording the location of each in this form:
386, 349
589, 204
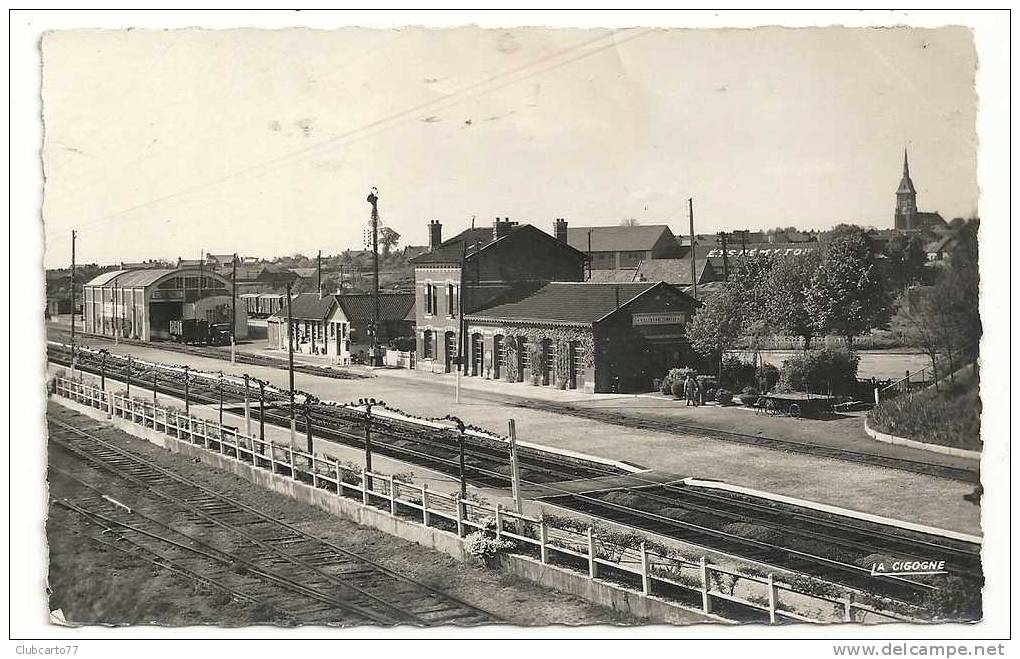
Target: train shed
141, 303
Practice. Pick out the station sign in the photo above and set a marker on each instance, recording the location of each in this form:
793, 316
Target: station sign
766, 249
662, 318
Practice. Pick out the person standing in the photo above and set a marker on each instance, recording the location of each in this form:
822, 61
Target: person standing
691, 391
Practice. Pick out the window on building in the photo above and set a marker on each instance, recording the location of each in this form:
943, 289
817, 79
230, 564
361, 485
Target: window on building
430, 299
426, 344
451, 300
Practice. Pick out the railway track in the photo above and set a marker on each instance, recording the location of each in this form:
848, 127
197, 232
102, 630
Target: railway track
966, 475
223, 354
237, 547
488, 466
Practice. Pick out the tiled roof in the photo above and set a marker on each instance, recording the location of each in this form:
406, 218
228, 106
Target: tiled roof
616, 239
307, 306
572, 303
451, 251
392, 306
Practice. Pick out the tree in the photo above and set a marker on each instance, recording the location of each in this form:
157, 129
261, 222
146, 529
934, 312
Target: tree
847, 295
786, 296
906, 260
752, 278
388, 238
629, 222
719, 324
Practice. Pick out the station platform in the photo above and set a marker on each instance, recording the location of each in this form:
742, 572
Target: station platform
600, 484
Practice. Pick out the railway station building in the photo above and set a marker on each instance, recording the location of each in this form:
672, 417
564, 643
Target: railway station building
590, 336
500, 263
339, 326
140, 303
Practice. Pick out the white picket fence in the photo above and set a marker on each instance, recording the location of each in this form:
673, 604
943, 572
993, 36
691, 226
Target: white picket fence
695, 583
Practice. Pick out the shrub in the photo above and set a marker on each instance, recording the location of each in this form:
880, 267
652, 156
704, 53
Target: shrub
485, 545
675, 375
724, 397
768, 376
677, 388
665, 387
737, 373
820, 371
710, 394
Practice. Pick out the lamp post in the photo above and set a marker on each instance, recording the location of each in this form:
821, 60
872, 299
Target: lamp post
460, 449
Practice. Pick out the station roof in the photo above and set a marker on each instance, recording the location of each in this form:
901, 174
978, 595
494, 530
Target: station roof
568, 303
142, 277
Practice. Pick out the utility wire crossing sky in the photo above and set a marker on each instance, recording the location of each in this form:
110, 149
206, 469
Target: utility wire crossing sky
161, 144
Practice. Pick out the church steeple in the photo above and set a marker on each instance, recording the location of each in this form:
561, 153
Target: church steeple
906, 200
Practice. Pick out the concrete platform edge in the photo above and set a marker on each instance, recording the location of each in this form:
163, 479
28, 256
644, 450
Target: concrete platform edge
931, 448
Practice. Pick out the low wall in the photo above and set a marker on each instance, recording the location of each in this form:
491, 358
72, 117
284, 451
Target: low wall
625, 601
932, 448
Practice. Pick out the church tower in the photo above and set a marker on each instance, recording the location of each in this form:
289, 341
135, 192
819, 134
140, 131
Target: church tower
905, 217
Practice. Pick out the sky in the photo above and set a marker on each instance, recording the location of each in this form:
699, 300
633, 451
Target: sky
160, 144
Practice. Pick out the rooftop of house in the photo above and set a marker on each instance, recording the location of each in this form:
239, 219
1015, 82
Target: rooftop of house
638, 238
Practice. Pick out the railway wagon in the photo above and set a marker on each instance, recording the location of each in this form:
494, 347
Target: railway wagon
199, 332
250, 302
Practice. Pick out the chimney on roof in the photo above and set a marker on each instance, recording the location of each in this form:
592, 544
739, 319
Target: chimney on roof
560, 230
501, 228
435, 234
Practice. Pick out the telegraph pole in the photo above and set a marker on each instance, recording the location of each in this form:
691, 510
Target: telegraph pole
694, 267
74, 237
743, 242
318, 272
515, 469
460, 317
233, 307
722, 240
247, 407
290, 365
373, 198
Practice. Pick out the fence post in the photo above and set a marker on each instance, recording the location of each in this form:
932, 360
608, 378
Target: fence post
272, 457
293, 463
706, 599
877, 399
460, 518
848, 608
592, 571
364, 486
393, 496
315, 473
205, 433
543, 540
339, 487
499, 521
646, 580
773, 599
425, 504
